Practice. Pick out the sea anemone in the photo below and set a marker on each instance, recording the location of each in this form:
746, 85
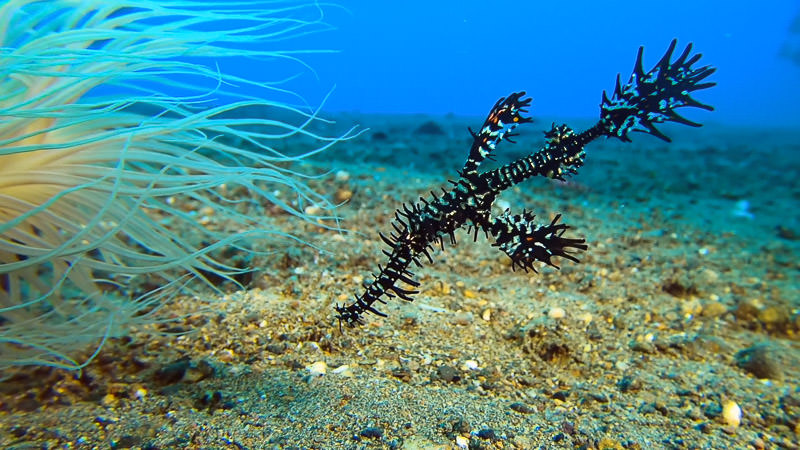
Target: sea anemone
120, 136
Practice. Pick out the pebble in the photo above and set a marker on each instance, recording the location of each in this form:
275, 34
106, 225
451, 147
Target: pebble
709, 276
313, 210
695, 414
342, 175
773, 316
714, 309
463, 318
109, 400
342, 195
226, 355
556, 313
276, 348
173, 372
643, 346
421, 443
372, 432
599, 397
471, 364
522, 408
126, 441
448, 374
379, 136
626, 383
746, 310
460, 425
712, 410
140, 393
787, 233
430, 128
759, 361
317, 369
486, 433
343, 370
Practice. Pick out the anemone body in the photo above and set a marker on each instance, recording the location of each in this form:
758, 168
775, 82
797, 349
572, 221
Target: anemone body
95, 194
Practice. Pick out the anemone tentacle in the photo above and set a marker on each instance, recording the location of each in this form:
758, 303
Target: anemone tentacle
117, 129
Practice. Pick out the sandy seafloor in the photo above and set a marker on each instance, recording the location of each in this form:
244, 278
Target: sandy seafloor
685, 304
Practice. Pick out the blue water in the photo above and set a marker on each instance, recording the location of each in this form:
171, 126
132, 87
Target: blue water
460, 56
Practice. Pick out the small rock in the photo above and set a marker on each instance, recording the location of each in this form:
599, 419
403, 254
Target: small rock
460, 426
430, 128
471, 364
647, 408
627, 383
486, 433
694, 414
709, 276
126, 441
402, 374
714, 309
317, 369
448, 374
226, 355
774, 317
556, 313
213, 400
313, 210
276, 348
372, 432
463, 318
730, 429
199, 371
522, 442
712, 410
343, 370
522, 408
790, 405
787, 233
342, 175
342, 195
759, 361
644, 347
173, 372
746, 311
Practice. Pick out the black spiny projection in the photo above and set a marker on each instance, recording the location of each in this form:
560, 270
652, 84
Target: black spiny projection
647, 99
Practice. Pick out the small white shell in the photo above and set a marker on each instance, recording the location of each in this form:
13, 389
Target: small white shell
317, 369
731, 413
556, 313
342, 175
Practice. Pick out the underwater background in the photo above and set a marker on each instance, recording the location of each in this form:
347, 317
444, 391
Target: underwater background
445, 57
190, 189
